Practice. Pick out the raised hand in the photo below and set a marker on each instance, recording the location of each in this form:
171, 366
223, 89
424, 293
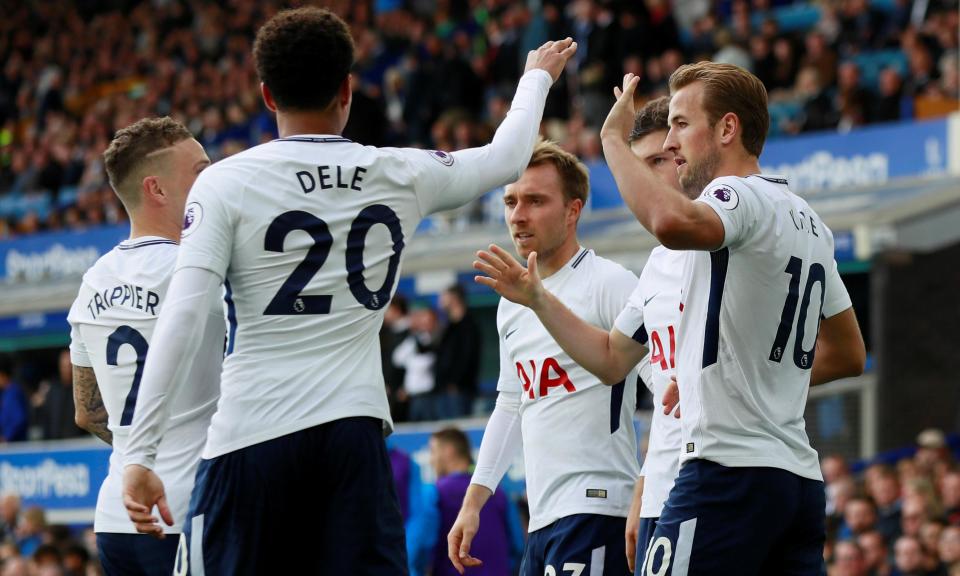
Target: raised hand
508, 278
552, 57
620, 119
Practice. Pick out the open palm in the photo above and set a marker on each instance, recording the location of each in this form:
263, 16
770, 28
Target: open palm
508, 278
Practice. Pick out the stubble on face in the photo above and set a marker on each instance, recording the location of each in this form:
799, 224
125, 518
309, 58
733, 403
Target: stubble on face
700, 173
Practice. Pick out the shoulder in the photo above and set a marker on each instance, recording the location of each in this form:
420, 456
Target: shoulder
609, 271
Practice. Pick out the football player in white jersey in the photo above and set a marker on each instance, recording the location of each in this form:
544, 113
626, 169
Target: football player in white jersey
765, 316
579, 444
649, 318
306, 233
151, 166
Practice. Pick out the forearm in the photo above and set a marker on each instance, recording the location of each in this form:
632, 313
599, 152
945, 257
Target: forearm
475, 498
91, 414
637, 501
502, 440
506, 157
179, 331
666, 213
587, 345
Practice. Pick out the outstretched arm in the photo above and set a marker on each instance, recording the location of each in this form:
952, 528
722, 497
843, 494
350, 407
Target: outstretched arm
608, 355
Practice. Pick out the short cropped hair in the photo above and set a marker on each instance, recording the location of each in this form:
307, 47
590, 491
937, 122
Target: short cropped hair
573, 174
457, 439
729, 88
303, 56
130, 150
651, 118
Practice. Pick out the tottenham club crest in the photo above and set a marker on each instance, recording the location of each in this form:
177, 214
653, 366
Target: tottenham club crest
192, 218
724, 194
442, 157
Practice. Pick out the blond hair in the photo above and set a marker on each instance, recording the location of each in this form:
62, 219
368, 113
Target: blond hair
728, 88
574, 177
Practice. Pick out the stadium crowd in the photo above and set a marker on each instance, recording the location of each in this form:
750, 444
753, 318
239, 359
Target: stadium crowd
73, 74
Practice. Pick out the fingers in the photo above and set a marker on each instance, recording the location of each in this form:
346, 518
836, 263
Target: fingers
453, 549
617, 92
532, 264
471, 562
486, 268
164, 510
505, 258
495, 259
134, 507
486, 281
630, 86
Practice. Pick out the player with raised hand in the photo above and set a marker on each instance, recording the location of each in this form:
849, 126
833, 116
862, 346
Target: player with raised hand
306, 233
649, 319
579, 445
765, 316
151, 165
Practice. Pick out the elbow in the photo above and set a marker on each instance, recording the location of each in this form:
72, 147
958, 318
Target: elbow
82, 419
858, 361
614, 374
669, 231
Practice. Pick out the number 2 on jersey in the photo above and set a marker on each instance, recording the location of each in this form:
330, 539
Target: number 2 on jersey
802, 358
288, 300
127, 335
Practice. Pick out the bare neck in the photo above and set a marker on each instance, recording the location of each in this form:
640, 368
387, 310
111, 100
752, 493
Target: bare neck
309, 122
164, 226
739, 165
558, 259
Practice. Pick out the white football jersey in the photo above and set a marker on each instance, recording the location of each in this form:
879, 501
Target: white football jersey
749, 326
579, 444
308, 234
112, 322
652, 317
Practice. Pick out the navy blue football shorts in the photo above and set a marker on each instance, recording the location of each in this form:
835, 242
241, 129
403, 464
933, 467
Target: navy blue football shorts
317, 501
722, 521
582, 544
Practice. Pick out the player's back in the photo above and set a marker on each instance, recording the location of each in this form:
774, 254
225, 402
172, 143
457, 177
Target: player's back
312, 233
112, 322
749, 327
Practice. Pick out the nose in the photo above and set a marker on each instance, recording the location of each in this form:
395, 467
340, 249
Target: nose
517, 213
670, 144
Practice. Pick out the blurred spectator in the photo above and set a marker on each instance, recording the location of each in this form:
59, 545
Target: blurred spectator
950, 496
416, 354
395, 329
949, 547
9, 515
859, 517
876, 553
458, 356
888, 104
885, 491
908, 557
54, 403
407, 479
853, 101
834, 467
499, 541
13, 404
848, 560
29, 535
913, 516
